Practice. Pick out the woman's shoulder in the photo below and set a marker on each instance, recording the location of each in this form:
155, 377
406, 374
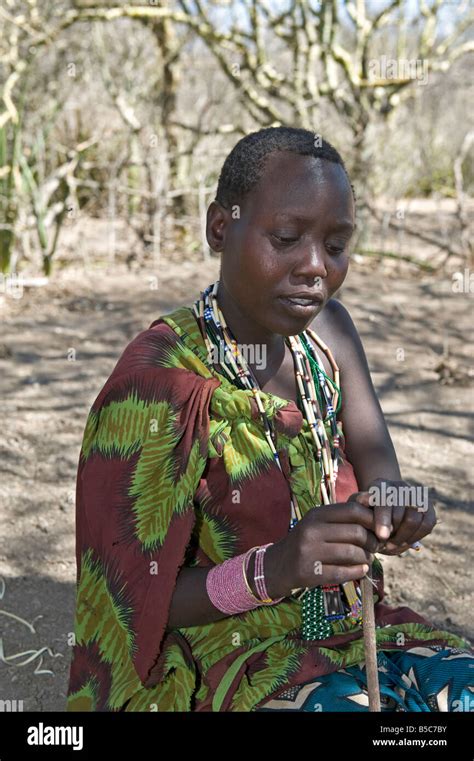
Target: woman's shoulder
159, 354
335, 326
332, 319
146, 352
162, 344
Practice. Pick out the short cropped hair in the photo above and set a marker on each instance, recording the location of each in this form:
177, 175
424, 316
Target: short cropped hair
245, 164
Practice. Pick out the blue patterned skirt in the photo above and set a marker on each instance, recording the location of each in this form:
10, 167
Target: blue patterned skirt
418, 679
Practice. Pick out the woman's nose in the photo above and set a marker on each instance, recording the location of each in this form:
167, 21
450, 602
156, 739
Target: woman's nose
311, 262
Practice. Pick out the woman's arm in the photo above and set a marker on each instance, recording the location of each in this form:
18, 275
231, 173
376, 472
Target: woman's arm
369, 447
191, 606
368, 444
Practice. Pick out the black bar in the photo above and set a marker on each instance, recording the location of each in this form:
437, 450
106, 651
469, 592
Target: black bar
315, 736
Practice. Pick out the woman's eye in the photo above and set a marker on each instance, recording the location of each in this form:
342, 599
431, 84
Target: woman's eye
284, 240
336, 249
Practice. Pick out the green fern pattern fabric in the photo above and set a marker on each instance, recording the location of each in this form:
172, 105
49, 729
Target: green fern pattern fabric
174, 471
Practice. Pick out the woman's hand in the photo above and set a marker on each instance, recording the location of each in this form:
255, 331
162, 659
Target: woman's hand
331, 544
397, 524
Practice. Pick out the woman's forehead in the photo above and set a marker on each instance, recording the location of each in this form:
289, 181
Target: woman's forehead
293, 186
307, 217
288, 176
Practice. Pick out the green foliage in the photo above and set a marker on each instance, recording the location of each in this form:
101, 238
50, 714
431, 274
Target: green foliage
439, 180
10, 137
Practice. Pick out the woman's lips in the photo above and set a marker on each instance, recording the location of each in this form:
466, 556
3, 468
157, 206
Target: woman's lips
300, 307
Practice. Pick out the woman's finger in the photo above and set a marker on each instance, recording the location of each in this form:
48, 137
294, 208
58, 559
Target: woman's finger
426, 527
360, 496
347, 512
397, 517
410, 525
392, 517
352, 533
394, 549
339, 574
345, 554
383, 522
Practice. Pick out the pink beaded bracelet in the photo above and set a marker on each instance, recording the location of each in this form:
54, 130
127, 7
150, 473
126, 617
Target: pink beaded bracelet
227, 585
259, 577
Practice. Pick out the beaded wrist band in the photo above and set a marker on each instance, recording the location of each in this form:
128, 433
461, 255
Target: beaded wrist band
259, 577
228, 588
245, 565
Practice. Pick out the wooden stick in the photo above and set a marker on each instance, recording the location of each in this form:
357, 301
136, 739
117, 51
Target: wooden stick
370, 643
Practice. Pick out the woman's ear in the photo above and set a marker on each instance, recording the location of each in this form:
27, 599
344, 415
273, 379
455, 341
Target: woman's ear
216, 225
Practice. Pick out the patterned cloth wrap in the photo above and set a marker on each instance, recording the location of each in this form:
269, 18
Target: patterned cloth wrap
175, 471
419, 679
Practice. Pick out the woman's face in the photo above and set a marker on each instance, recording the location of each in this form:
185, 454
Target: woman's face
292, 238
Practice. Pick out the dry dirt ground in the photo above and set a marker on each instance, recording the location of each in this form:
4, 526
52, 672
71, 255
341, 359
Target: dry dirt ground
59, 344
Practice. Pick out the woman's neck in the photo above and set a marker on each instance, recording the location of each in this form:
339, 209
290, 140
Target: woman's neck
247, 332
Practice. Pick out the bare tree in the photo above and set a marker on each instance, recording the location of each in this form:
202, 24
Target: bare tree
354, 59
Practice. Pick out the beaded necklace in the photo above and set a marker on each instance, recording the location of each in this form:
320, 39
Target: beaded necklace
323, 604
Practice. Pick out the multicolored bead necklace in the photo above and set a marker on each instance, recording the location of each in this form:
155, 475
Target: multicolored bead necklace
323, 604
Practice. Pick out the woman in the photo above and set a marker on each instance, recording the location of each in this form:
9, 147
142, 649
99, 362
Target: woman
226, 482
